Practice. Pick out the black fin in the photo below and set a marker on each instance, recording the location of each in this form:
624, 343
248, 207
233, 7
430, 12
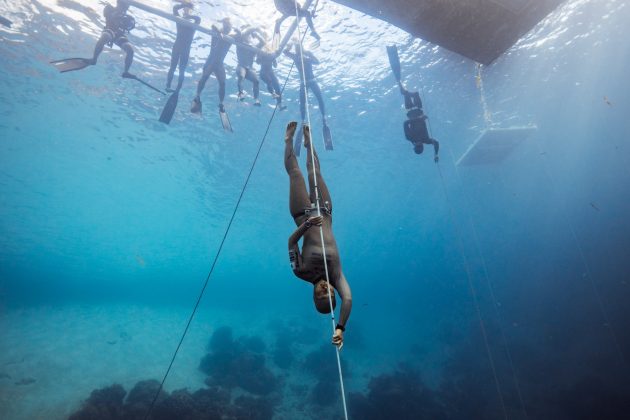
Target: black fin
394, 61
6, 22
225, 121
169, 108
328, 143
71, 64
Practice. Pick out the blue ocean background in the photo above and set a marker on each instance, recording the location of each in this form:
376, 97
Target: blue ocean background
497, 291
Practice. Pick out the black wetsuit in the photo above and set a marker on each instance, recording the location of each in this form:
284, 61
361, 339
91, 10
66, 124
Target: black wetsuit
309, 83
117, 24
267, 75
287, 8
219, 48
245, 66
181, 48
415, 127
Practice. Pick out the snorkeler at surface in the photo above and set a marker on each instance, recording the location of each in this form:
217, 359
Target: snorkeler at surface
245, 61
416, 125
219, 47
117, 25
308, 264
267, 62
287, 8
181, 48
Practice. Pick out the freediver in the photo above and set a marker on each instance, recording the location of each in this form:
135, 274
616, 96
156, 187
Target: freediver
416, 125
219, 47
181, 48
287, 8
245, 61
308, 264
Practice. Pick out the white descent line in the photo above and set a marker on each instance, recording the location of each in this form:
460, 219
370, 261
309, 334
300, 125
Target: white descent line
319, 213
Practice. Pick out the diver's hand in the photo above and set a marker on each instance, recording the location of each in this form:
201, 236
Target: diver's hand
337, 338
436, 159
314, 221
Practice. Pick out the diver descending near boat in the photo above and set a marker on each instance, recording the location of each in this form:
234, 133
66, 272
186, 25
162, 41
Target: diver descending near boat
415, 127
117, 25
308, 264
287, 8
245, 61
181, 47
308, 81
219, 48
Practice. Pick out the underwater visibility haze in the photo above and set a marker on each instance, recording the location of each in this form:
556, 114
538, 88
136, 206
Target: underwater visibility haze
490, 291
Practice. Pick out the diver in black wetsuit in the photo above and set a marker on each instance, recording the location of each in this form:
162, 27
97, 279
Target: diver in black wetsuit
245, 61
117, 24
183, 42
219, 48
287, 8
267, 62
310, 82
416, 125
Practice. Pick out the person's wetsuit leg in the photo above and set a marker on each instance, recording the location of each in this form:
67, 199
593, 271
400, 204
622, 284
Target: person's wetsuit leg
184, 55
264, 76
220, 73
251, 76
240, 75
275, 83
175, 54
412, 100
105, 38
298, 195
309, 21
314, 87
323, 188
128, 49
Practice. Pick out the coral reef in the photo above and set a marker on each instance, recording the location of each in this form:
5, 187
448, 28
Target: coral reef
238, 363
231, 363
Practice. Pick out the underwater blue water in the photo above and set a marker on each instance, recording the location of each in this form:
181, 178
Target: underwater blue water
505, 287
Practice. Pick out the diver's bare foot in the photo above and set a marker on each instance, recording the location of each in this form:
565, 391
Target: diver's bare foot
307, 136
290, 131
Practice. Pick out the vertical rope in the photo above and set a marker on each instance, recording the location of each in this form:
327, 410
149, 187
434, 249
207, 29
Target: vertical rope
317, 202
473, 290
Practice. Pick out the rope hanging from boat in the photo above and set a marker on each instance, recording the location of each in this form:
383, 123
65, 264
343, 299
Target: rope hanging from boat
317, 203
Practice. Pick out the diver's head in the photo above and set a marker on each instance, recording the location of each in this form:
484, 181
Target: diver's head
418, 148
188, 8
227, 25
320, 297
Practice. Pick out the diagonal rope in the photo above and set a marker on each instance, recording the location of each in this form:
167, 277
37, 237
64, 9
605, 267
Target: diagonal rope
216, 257
317, 202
